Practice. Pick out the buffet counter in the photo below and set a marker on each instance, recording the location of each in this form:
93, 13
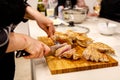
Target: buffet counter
40, 69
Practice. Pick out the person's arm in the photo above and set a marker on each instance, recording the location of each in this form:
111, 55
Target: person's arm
45, 23
24, 42
10, 41
3, 40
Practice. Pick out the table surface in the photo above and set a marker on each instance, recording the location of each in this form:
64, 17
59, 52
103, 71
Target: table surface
40, 68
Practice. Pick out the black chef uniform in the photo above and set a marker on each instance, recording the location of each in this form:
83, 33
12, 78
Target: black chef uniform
11, 13
110, 9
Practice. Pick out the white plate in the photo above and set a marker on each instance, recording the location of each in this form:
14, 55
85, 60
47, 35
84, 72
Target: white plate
58, 21
79, 29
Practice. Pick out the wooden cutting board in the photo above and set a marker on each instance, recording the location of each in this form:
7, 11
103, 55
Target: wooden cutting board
57, 66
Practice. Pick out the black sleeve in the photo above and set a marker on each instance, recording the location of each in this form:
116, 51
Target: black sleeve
13, 11
3, 40
26, 4
61, 2
110, 9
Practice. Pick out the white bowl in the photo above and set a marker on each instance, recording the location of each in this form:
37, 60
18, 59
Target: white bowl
107, 28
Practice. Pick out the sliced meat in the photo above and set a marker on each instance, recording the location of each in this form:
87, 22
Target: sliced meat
103, 48
92, 53
76, 56
80, 38
57, 46
67, 52
48, 41
62, 38
61, 50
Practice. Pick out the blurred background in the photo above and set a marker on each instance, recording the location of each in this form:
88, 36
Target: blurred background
23, 66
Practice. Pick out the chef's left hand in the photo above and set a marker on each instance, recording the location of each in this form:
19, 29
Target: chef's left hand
47, 25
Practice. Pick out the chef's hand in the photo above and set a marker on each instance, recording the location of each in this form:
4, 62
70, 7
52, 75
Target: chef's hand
36, 49
46, 24
43, 22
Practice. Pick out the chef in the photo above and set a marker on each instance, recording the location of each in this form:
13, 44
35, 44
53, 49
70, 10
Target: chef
12, 13
110, 9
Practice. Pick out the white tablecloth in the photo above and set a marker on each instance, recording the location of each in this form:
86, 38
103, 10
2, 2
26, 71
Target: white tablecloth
40, 68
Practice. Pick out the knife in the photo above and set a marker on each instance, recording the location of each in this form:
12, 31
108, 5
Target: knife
22, 53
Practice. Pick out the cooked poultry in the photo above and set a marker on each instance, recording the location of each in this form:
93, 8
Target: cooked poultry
61, 50
80, 38
48, 41
103, 48
93, 51
67, 52
72, 37
54, 48
62, 38
71, 54
97, 52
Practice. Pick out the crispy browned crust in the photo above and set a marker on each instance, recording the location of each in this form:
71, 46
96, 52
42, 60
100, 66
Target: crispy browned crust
46, 40
98, 52
73, 38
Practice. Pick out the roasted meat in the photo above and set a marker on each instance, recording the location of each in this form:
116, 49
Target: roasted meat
61, 50
67, 52
62, 38
48, 41
98, 52
72, 37
71, 54
103, 48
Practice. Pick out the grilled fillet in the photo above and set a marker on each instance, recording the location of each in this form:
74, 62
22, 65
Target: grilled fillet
67, 52
103, 48
72, 37
61, 50
70, 54
48, 41
62, 38
97, 52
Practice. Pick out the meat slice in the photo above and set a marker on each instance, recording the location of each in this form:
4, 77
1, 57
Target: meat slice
76, 56
94, 55
71, 54
97, 52
62, 38
67, 52
103, 48
80, 38
61, 50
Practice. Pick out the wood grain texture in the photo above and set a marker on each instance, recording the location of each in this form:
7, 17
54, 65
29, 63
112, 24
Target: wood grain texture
63, 65
58, 66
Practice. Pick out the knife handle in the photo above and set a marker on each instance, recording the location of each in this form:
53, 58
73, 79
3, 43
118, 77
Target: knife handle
21, 53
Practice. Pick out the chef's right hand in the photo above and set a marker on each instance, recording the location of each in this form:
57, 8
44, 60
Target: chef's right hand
36, 49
